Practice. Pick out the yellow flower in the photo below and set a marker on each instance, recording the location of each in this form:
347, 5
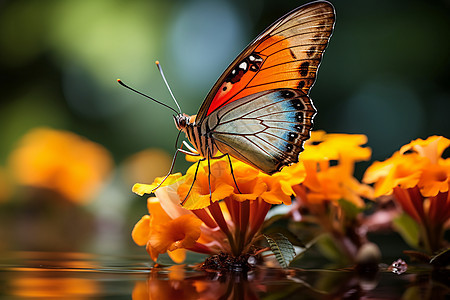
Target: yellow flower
325, 147
251, 183
419, 179
326, 195
213, 179
230, 226
329, 163
418, 163
246, 194
61, 161
399, 170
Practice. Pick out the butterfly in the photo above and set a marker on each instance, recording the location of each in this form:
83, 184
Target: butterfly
259, 110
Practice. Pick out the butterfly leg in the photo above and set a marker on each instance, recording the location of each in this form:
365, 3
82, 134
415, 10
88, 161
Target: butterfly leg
231, 168
209, 177
232, 173
193, 181
173, 164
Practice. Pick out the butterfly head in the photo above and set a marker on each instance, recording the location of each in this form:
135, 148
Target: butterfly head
183, 120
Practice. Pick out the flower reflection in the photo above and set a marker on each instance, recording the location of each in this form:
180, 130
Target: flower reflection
60, 161
48, 275
418, 178
53, 287
258, 284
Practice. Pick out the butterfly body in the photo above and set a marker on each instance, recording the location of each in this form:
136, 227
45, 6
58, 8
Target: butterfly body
259, 110
261, 116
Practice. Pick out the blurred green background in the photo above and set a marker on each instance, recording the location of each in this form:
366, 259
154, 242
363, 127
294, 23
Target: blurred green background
385, 74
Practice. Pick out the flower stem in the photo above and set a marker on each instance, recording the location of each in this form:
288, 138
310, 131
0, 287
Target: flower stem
205, 217
216, 212
241, 229
258, 213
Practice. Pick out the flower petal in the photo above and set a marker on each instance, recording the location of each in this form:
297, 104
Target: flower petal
141, 231
141, 188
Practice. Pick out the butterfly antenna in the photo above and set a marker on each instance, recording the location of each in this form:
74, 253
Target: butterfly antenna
146, 96
167, 85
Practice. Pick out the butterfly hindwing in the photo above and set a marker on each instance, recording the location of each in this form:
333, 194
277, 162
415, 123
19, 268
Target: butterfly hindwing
266, 129
286, 55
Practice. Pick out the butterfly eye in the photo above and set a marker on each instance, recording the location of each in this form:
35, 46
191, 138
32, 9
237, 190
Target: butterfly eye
180, 121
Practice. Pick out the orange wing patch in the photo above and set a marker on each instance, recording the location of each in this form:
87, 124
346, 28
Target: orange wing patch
236, 80
235, 85
286, 55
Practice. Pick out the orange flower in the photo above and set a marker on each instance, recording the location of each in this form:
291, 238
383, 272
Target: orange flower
229, 226
61, 161
329, 186
325, 147
418, 163
399, 170
329, 162
169, 227
159, 233
251, 183
419, 179
435, 179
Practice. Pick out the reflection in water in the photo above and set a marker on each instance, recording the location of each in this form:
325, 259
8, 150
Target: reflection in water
32, 286
43, 275
258, 284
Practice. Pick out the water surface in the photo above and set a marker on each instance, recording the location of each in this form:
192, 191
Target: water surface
67, 275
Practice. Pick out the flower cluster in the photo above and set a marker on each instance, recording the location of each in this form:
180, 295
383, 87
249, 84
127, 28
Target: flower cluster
203, 224
329, 161
226, 202
330, 196
418, 178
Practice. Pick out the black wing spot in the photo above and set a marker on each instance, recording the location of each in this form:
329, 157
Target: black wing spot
297, 104
292, 136
287, 94
252, 63
289, 148
298, 127
301, 85
299, 116
304, 68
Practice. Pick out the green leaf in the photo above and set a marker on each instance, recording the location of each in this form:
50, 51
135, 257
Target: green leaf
350, 209
408, 229
282, 248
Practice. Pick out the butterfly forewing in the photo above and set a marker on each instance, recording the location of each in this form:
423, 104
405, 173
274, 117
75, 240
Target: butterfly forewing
286, 55
259, 110
266, 129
